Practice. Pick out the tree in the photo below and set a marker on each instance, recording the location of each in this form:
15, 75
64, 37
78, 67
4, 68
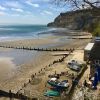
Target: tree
80, 4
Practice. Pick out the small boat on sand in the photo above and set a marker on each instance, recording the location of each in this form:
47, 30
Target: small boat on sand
74, 65
59, 85
52, 93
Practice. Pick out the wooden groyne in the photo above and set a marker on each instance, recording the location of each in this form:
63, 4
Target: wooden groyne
80, 38
12, 95
37, 49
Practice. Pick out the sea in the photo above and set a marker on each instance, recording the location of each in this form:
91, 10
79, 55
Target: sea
15, 32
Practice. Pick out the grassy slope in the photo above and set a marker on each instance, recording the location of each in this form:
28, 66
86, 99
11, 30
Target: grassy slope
96, 29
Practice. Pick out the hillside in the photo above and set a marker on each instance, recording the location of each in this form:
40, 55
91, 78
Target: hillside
79, 19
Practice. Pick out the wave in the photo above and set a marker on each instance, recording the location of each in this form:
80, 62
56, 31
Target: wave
48, 30
9, 38
8, 29
13, 32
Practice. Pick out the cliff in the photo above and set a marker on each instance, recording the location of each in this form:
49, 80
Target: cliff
79, 19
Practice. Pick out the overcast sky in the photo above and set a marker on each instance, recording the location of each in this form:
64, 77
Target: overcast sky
28, 11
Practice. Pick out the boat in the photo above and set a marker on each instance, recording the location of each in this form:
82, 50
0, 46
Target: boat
58, 85
52, 93
74, 65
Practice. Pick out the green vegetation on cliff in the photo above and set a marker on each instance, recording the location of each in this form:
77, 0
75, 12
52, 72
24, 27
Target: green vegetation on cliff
96, 29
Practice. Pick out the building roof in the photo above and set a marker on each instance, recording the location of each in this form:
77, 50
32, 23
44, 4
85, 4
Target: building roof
89, 46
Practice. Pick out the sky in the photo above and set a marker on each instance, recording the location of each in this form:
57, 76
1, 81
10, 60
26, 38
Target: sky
28, 11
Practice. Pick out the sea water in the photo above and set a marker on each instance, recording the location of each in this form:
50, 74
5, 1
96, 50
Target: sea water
15, 32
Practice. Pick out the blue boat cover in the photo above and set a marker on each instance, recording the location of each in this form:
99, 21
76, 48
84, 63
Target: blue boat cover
98, 71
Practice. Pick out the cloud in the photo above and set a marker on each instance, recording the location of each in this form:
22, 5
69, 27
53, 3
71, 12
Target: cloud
35, 5
28, 13
47, 12
2, 8
14, 14
17, 9
57, 9
13, 4
2, 13
32, 4
38, 0
46, 0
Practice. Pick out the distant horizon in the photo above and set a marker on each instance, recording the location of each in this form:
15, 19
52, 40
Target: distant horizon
22, 24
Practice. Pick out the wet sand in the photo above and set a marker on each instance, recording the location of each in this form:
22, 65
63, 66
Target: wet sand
7, 68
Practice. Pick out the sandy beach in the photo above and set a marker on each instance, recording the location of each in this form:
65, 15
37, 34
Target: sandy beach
22, 73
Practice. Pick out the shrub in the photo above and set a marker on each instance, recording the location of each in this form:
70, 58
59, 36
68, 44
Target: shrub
96, 30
